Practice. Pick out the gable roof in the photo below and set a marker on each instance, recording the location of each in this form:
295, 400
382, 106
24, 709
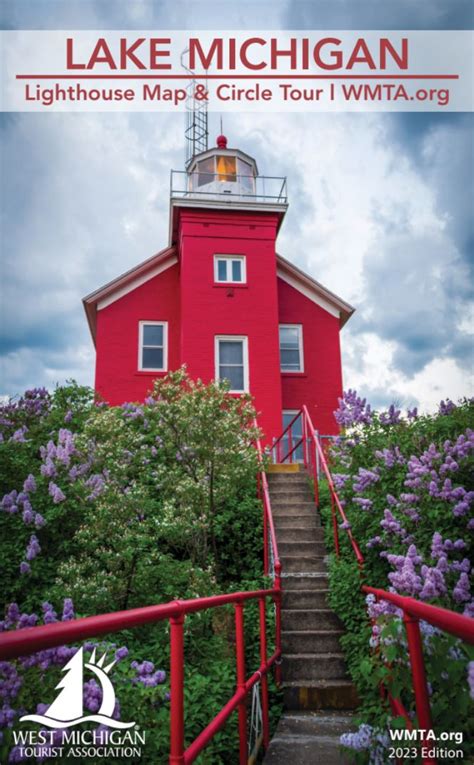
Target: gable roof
314, 290
162, 260
125, 283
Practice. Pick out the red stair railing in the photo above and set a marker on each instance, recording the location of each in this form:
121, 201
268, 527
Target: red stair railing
447, 621
413, 610
271, 559
32, 639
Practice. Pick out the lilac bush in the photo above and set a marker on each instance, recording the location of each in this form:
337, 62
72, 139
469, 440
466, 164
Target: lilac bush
407, 484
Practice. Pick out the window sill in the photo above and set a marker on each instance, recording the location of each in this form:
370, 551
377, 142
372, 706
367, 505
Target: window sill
230, 285
293, 374
150, 373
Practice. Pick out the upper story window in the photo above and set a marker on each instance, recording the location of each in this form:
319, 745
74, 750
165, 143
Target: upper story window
153, 346
291, 348
230, 268
231, 354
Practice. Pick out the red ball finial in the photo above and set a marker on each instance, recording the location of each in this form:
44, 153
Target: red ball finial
221, 142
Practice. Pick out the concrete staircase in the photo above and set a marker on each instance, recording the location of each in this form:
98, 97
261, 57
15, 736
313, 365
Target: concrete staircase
317, 692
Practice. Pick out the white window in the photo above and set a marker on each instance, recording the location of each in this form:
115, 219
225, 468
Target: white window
230, 268
153, 346
232, 364
291, 348
290, 439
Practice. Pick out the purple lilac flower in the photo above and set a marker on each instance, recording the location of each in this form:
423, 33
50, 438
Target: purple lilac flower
121, 653
391, 525
49, 614
462, 590
391, 417
446, 407
25, 568
19, 435
97, 484
28, 517
33, 548
68, 610
360, 741
56, 493
353, 410
345, 525
364, 479
470, 678
365, 504
434, 585
469, 610
340, 479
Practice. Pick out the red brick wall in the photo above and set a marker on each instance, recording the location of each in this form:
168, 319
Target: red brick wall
320, 385
117, 376
251, 310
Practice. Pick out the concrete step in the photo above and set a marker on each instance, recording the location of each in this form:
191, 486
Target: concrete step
286, 494
306, 548
287, 478
307, 738
300, 533
305, 520
303, 509
304, 599
315, 580
319, 694
313, 666
295, 563
309, 619
320, 641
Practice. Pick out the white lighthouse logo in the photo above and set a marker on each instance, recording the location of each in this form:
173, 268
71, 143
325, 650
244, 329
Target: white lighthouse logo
68, 709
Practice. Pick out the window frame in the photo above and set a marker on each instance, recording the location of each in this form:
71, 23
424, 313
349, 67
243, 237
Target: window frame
245, 358
229, 259
299, 327
141, 346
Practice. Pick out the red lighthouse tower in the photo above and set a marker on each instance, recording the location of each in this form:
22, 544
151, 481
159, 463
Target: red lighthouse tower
221, 300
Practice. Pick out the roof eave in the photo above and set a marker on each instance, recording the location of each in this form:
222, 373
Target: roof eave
345, 309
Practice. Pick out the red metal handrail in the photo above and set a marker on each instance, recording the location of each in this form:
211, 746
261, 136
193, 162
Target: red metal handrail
335, 501
269, 534
413, 610
448, 621
32, 639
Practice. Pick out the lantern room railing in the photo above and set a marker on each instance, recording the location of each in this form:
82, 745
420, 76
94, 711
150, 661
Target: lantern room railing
229, 187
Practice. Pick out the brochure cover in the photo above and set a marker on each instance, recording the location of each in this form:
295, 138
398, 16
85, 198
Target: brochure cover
236, 418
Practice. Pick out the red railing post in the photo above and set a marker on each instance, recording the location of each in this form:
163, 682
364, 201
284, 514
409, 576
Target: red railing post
264, 680
277, 587
177, 690
265, 535
420, 687
334, 524
240, 660
304, 430
290, 445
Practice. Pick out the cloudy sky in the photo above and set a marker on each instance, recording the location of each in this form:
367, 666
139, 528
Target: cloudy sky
380, 204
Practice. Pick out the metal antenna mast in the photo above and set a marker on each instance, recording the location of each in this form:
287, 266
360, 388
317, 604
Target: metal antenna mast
196, 130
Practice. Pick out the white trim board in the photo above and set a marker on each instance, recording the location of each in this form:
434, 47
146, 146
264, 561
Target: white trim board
309, 293
121, 291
